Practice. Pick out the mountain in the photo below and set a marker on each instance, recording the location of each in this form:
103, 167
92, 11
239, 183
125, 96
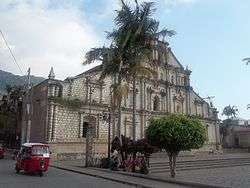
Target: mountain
7, 78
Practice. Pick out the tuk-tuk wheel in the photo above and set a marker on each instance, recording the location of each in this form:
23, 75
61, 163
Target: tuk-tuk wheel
40, 173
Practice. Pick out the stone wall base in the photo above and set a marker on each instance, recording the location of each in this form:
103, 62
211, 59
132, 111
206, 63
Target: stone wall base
75, 150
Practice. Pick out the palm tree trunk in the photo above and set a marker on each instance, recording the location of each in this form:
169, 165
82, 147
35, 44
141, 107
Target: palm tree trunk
119, 112
133, 120
134, 108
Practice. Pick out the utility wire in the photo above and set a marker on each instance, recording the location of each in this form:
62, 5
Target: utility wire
15, 61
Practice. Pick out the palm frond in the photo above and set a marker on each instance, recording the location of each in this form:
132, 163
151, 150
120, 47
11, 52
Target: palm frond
147, 9
166, 32
94, 54
246, 60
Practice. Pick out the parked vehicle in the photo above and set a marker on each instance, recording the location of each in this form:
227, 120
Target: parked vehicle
1, 151
33, 158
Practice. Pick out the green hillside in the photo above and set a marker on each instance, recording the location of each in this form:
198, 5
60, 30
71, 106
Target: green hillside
7, 78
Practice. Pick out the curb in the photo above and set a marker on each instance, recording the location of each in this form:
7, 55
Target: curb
100, 176
177, 182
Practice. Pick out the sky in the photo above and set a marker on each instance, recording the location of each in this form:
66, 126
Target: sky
213, 36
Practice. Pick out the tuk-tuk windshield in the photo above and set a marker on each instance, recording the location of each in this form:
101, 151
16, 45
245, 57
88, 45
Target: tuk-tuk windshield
39, 150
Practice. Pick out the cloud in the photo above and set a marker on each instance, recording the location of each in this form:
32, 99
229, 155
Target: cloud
171, 3
42, 34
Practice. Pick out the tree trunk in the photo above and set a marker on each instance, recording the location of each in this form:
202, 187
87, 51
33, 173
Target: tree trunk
173, 173
172, 163
119, 112
134, 108
133, 120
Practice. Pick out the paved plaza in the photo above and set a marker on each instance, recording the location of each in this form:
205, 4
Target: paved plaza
235, 177
223, 175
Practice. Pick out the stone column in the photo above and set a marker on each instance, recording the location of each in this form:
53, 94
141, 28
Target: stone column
196, 110
169, 99
182, 107
87, 91
189, 102
101, 90
142, 126
53, 131
166, 99
174, 105
202, 109
80, 130
50, 122
186, 101
125, 126
97, 127
141, 107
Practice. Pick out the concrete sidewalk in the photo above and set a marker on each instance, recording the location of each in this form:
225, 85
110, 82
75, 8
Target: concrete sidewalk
133, 179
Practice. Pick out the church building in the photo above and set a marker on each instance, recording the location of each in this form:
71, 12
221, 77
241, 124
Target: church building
59, 112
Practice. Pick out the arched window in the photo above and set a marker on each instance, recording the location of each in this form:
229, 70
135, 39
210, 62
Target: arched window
156, 104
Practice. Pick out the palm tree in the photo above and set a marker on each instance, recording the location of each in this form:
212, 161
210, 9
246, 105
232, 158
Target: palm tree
136, 31
130, 54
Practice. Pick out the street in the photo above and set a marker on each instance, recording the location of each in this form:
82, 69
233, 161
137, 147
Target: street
65, 179
53, 178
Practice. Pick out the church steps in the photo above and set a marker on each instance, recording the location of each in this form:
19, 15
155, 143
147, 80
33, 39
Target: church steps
201, 164
199, 161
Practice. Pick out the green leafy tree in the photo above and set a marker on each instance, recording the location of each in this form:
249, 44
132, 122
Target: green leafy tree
176, 133
10, 112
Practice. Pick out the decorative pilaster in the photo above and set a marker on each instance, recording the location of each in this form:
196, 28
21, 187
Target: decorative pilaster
186, 101
53, 131
170, 100
50, 122
101, 90
202, 109
80, 129
142, 125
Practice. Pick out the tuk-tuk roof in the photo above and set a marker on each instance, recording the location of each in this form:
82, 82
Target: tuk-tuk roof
34, 144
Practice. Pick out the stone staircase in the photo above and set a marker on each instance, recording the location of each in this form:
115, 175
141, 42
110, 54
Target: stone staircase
191, 163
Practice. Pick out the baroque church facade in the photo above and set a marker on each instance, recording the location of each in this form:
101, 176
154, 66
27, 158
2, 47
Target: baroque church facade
58, 112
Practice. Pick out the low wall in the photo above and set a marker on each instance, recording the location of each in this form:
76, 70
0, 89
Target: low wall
75, 150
